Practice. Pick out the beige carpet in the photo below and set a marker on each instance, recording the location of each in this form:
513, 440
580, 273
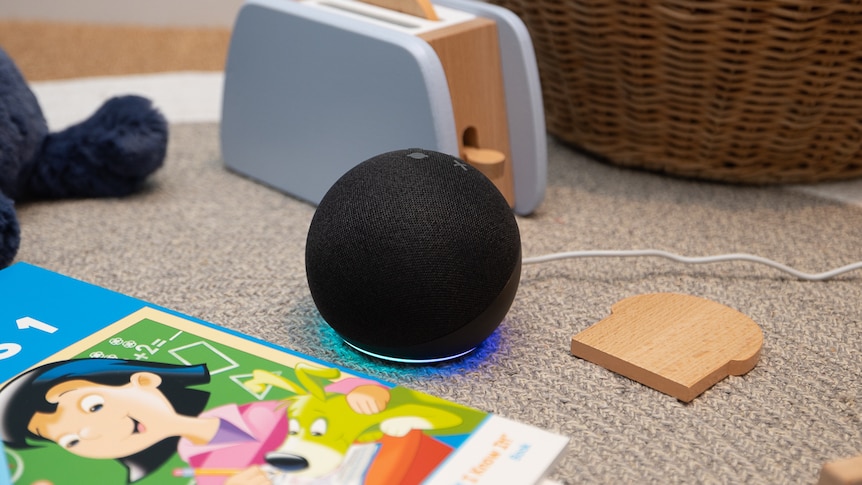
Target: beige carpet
214, 245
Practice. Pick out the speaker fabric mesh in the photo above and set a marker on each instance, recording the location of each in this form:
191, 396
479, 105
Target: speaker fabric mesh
409, 246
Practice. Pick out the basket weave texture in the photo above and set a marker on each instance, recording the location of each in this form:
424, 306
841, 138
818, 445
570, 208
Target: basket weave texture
743, 91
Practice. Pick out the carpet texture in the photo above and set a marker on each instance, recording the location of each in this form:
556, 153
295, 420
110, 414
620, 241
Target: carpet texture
209, 243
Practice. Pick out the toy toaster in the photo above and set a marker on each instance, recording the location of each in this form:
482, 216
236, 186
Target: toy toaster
314, 87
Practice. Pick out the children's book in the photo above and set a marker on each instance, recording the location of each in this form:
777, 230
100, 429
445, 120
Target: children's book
100, 387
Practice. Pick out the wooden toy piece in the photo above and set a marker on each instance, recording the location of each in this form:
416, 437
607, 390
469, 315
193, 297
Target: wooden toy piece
489, 162
842, 472
470, 55
677, 344
419, 8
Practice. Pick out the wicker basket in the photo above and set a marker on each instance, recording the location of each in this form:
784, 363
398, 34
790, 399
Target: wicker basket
744, 91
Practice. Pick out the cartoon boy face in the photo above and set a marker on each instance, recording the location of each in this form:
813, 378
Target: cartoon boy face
101, 421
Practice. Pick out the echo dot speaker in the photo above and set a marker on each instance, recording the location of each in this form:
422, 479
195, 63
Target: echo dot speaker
414, 256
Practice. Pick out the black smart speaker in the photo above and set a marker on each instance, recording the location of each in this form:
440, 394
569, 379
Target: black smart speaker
413, 256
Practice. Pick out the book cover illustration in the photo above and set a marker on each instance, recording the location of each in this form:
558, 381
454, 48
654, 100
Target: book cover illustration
104, 388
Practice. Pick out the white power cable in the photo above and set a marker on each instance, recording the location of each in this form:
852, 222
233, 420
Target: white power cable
695, 260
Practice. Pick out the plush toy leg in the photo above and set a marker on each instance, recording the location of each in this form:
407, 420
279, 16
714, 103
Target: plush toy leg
108, 155
10, 236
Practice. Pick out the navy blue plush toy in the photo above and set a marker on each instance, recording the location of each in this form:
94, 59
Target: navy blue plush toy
108, 155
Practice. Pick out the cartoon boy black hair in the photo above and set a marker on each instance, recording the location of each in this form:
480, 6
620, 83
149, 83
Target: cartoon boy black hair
62, 401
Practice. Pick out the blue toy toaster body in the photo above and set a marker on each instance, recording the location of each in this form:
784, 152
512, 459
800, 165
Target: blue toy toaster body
311, 91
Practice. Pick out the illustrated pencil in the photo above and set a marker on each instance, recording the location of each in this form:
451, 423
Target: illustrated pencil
193, 472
